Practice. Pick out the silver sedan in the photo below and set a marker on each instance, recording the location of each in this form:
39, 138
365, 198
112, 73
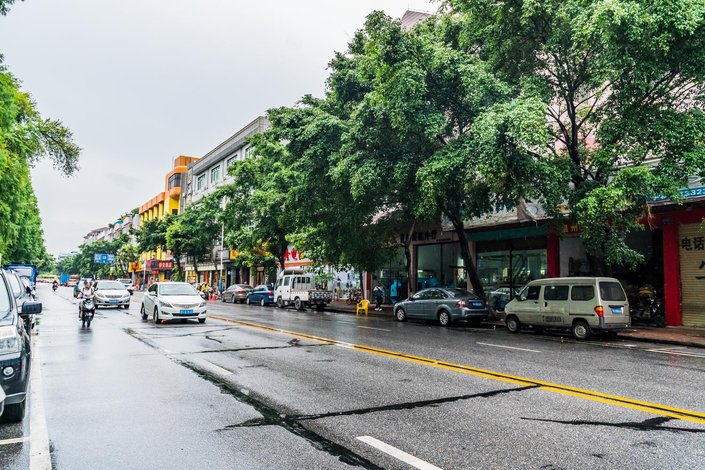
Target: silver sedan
236, 293
445, 305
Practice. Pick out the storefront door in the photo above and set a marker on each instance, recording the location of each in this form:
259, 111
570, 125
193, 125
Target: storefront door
692, 269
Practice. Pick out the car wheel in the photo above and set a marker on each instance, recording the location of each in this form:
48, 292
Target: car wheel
444, 318
126, 307
247, 301
142, 311
14, 413
262, 303
298, 304
400, 314
580, 330
201, 320
157, 321
513, 324
280, 302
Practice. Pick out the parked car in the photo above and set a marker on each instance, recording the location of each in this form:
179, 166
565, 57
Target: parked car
111, 294
262, 295
582, 305
128, 285
27, 270
445, 305
22, 292
236, 293
295, 287
171, 301
15, 350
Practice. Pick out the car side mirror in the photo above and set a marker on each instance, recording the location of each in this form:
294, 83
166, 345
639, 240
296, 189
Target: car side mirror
28, 290
31, 308
519, 298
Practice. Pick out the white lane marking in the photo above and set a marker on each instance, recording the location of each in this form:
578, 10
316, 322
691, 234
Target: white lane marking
397, 453
673, 348
214, 368
16, 440
39, 454
509, 347
679, 353
373, 328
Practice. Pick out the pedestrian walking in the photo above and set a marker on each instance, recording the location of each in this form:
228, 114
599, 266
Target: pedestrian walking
379, 296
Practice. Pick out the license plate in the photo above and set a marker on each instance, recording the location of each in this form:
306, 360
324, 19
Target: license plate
617, 310
477, 304
186, 312
114, 301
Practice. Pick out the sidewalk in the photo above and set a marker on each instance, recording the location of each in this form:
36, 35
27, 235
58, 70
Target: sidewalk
679, 336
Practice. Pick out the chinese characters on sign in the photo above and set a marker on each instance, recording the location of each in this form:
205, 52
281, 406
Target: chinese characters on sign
161, 265
419, 236
694, 243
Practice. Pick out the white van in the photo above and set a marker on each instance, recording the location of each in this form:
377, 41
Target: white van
581, 304
297, 288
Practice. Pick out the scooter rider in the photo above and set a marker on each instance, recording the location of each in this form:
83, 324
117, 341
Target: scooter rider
55, 284
85, 293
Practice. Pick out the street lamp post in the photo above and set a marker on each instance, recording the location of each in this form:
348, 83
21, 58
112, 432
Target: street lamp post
222, 242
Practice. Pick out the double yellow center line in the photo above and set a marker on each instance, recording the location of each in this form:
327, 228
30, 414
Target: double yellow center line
623, 402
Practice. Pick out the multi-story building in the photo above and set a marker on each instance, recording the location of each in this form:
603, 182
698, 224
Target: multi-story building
202, 178
158, 265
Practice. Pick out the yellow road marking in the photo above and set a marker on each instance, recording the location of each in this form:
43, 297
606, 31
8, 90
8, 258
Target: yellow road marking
653, 408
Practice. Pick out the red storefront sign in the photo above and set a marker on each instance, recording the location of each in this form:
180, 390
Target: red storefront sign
158, 265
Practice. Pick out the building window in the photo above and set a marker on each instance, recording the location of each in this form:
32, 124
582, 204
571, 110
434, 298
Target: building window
174, 181
174, 211
201, 182
230, 161
215, 174
248, 152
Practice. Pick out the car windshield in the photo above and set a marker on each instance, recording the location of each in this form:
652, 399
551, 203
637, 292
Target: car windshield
110, 285
176, 289
244, 286
462, 293
14, 284
4, 300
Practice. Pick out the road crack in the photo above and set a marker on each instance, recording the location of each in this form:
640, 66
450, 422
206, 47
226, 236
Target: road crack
267, 421
651, 424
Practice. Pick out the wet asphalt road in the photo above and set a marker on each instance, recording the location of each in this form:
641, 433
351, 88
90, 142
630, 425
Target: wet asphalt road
238, 393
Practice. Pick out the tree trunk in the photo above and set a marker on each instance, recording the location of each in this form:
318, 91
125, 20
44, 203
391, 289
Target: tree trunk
410, 278
470, 268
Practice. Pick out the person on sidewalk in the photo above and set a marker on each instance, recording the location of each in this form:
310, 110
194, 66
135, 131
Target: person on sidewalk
379, 296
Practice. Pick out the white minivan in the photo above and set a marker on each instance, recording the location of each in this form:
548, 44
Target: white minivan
580, 304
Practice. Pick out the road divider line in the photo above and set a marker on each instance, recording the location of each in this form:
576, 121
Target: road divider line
16, 440
213, 367
508, 347
624, 402
397, 453
39, 453
373, 328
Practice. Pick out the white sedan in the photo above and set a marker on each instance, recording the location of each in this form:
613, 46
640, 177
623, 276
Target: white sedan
173, 301
111, 294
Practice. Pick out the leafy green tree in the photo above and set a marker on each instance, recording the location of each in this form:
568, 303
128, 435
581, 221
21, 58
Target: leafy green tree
25, 137
622, 84
126, 254
152, 234
194, 231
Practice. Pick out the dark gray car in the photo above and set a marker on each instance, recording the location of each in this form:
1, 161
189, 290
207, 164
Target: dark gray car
445, 305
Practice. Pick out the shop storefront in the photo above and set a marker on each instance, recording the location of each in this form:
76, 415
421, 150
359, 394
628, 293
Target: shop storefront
508, 259
691, 248
439, 265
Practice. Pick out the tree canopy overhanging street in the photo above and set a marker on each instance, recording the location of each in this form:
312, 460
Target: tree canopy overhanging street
487, 231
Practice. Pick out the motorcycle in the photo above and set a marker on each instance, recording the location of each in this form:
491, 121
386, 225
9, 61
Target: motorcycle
87, 311
354, 297
54, 287
646, 308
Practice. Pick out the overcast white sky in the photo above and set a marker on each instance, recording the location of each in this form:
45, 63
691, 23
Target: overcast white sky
142, 81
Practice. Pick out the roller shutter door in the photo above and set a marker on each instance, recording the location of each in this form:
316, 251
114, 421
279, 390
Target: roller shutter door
692, 266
